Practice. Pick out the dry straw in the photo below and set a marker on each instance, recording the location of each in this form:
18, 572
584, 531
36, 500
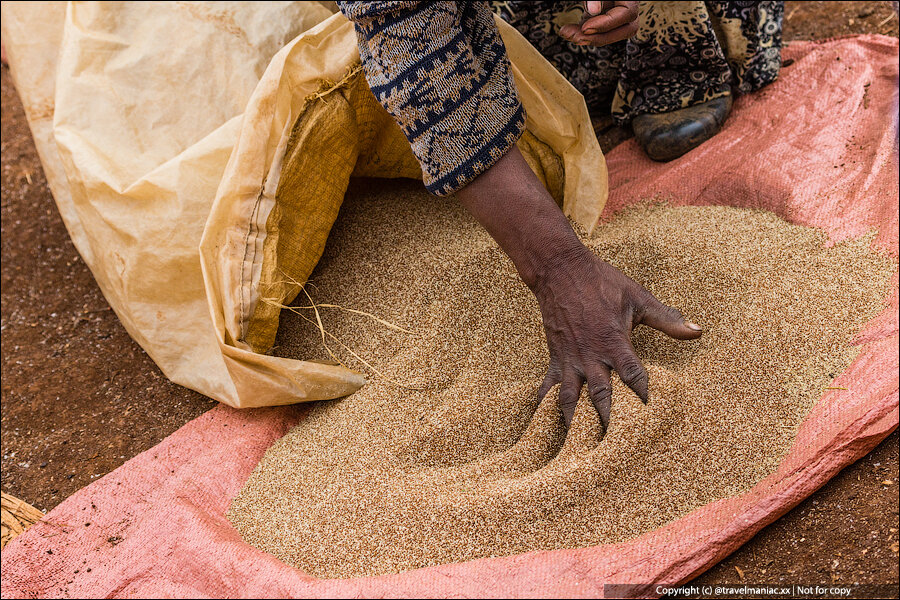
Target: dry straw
16, 516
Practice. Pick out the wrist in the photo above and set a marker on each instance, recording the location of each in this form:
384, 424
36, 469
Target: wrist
548, 254
519, 213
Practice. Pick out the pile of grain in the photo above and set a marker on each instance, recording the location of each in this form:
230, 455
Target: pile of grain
471, 465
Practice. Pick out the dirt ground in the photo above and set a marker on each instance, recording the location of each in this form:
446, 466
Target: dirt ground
80, 397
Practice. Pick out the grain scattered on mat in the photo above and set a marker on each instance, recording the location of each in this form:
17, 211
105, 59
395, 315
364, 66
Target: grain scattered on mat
472, 465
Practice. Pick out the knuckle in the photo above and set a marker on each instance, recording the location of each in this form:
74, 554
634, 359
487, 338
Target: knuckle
568, 398
639, 380
642, 300
553, 370
633, 372
651, 303
566, 405
606, 335
644, 297
670, 312
600, 391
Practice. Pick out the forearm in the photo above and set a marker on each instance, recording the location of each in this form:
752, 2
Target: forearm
440, 69
519, 213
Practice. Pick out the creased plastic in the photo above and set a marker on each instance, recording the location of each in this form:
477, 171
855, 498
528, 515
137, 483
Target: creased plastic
161, 124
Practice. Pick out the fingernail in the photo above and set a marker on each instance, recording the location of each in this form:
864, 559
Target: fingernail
693, 326
591, 32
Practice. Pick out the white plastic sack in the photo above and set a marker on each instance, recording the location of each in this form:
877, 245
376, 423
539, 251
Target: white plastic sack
161, 123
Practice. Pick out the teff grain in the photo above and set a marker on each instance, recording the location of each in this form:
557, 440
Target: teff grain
473, 465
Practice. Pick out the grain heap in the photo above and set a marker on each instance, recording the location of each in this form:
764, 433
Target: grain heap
471, 464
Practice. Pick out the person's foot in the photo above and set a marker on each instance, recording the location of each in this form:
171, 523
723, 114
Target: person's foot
665, 136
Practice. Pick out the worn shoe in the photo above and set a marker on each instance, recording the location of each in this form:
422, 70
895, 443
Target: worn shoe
665, 136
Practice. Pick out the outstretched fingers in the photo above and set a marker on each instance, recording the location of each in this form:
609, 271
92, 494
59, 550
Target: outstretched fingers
630, 369
551, 379
600, 391
569, 391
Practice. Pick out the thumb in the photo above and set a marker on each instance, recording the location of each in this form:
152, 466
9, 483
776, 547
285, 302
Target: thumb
668, 320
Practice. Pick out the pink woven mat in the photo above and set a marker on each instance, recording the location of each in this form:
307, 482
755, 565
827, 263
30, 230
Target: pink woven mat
817, 147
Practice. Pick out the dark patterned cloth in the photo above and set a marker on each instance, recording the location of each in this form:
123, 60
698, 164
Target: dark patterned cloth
684, 53
441, 70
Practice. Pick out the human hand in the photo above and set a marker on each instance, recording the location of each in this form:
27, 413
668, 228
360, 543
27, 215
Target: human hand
605, 23
589, 309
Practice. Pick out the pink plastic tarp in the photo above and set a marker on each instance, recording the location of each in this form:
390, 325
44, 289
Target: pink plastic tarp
817, 147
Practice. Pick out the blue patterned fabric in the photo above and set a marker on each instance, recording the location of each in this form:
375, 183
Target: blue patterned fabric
440, 69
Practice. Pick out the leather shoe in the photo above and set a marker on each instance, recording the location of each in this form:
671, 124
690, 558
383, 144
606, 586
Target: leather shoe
665, 136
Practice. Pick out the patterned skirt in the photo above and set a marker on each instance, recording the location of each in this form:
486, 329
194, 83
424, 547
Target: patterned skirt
684, 53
